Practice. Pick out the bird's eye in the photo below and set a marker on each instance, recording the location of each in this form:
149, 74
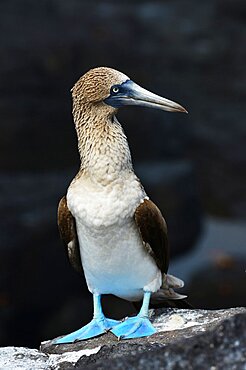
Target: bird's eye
115, 89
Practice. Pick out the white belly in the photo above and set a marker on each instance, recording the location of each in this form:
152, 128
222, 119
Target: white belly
112, 252
115, 262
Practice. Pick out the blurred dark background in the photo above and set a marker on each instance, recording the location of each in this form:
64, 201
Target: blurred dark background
192, 165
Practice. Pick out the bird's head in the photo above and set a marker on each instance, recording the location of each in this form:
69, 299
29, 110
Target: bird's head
104, 85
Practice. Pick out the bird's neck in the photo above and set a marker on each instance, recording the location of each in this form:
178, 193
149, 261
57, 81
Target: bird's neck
102, 144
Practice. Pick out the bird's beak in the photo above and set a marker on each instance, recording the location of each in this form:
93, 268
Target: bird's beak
132, 94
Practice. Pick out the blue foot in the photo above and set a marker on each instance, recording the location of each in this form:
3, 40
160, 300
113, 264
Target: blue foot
96, 327
134, 327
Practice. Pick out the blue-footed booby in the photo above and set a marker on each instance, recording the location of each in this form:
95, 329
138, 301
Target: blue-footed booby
109, 225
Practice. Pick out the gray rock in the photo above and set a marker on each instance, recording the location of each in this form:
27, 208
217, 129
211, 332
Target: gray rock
172, 325
22, 358
185, 339
31, 359
223, 348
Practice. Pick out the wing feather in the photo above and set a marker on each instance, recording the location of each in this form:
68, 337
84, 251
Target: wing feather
68, 233
153, 230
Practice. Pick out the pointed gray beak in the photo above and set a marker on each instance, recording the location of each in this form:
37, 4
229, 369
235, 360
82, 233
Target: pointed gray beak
129, 93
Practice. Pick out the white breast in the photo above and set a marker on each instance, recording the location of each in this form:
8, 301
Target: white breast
113, 255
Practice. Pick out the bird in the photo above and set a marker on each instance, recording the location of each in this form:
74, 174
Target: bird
111, 229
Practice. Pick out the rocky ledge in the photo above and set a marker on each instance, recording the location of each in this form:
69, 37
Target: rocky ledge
185, 339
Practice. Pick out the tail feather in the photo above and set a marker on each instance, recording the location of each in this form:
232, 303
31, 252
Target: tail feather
170, 281
167, 291
166, 296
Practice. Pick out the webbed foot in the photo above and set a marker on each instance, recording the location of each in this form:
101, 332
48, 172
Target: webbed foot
134, 327
96, 327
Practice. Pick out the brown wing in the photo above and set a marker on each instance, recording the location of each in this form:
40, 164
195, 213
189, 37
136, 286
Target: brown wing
153, 230
68, 233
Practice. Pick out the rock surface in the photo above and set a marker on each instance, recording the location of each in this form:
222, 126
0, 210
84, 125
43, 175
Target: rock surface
223, 348
185, 339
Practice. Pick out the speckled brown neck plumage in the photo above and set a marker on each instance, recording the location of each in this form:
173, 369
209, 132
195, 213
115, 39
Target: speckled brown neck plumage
102, 144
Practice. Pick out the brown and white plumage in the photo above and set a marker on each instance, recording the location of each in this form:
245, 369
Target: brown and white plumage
106, 168
106, 220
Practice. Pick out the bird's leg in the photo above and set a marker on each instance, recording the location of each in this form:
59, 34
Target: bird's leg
137, 326
98, 325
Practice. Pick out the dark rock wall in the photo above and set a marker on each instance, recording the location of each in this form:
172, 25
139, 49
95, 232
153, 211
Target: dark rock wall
189, 51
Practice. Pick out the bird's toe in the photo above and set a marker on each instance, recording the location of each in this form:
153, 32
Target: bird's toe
134, 327
95, 328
